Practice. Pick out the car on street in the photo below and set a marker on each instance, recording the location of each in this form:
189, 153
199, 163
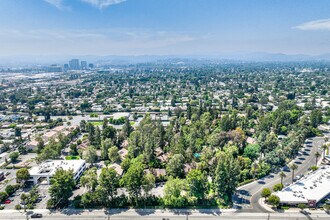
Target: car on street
286, 169
36, 215
7, 201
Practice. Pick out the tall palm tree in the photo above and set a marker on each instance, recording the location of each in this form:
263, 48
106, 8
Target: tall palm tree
254, 169
324, 148
317, 155
293, 167
282, 175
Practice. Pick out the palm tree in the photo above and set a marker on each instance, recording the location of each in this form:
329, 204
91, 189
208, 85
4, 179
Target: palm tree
317, 155
324, 148
282, 175
293, 167
254, 169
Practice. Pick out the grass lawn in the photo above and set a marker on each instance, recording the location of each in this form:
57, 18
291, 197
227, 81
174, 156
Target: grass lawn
72, 158
97, 123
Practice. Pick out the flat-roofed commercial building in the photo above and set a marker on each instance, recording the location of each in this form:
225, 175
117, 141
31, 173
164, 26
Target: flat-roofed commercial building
310, 189
45, 171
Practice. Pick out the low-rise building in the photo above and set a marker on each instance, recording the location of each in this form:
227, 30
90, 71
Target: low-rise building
310, 189
45, 171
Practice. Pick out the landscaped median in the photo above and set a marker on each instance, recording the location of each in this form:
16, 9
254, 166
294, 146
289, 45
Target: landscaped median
72, 158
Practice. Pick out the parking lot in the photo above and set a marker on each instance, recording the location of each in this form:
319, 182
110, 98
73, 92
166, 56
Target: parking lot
16, 197
10, 178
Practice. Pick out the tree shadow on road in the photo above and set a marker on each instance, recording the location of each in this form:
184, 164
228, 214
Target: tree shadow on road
214, 212
307, 214
115, 211
67, 211
144, 212
180, 211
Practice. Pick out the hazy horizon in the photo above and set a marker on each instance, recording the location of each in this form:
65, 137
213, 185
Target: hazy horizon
163, 27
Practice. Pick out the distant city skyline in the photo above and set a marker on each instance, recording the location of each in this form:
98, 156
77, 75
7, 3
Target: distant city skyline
163, 27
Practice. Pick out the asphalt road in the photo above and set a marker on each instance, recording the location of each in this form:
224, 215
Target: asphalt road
247, 197
167, 215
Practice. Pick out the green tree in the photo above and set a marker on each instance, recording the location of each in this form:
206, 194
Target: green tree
105, 123
3, 196
197, 184
73, 149
105, 145
89, 179
113, 154
278, 187
49, 152
62, 184
302, 206
109, 182
173, 193
282, 176
317, 155
14, 156
109, 132
24, 200
226, 176
252, 151
127, 128
266, 192
10, 189
133, 180
293, 167
274, 200
97, 138
90, 154
316, 117
148, 183
40, 144
175, 165
324, 148
18, 132
22, 175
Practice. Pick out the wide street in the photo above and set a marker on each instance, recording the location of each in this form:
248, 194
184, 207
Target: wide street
247, 197
121, 214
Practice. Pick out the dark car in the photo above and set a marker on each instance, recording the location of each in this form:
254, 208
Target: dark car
286, 169
36, 215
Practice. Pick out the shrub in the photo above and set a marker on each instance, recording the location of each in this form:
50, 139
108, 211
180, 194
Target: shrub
14, 156
278, 187
326, 208
30, 206
18, 207
77, 202
265, 192
10, 189
313, 168
302, 206
50, 204
274, 200
3, 196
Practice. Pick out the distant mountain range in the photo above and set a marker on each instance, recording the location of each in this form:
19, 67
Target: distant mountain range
117, 60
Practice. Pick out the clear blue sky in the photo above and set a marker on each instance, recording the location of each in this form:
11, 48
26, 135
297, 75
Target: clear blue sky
136, 27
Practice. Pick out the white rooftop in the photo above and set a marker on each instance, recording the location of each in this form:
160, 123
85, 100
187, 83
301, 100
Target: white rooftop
49, 167
312, 187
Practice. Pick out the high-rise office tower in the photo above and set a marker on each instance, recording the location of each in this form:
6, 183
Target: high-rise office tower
74, 64
83, 65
